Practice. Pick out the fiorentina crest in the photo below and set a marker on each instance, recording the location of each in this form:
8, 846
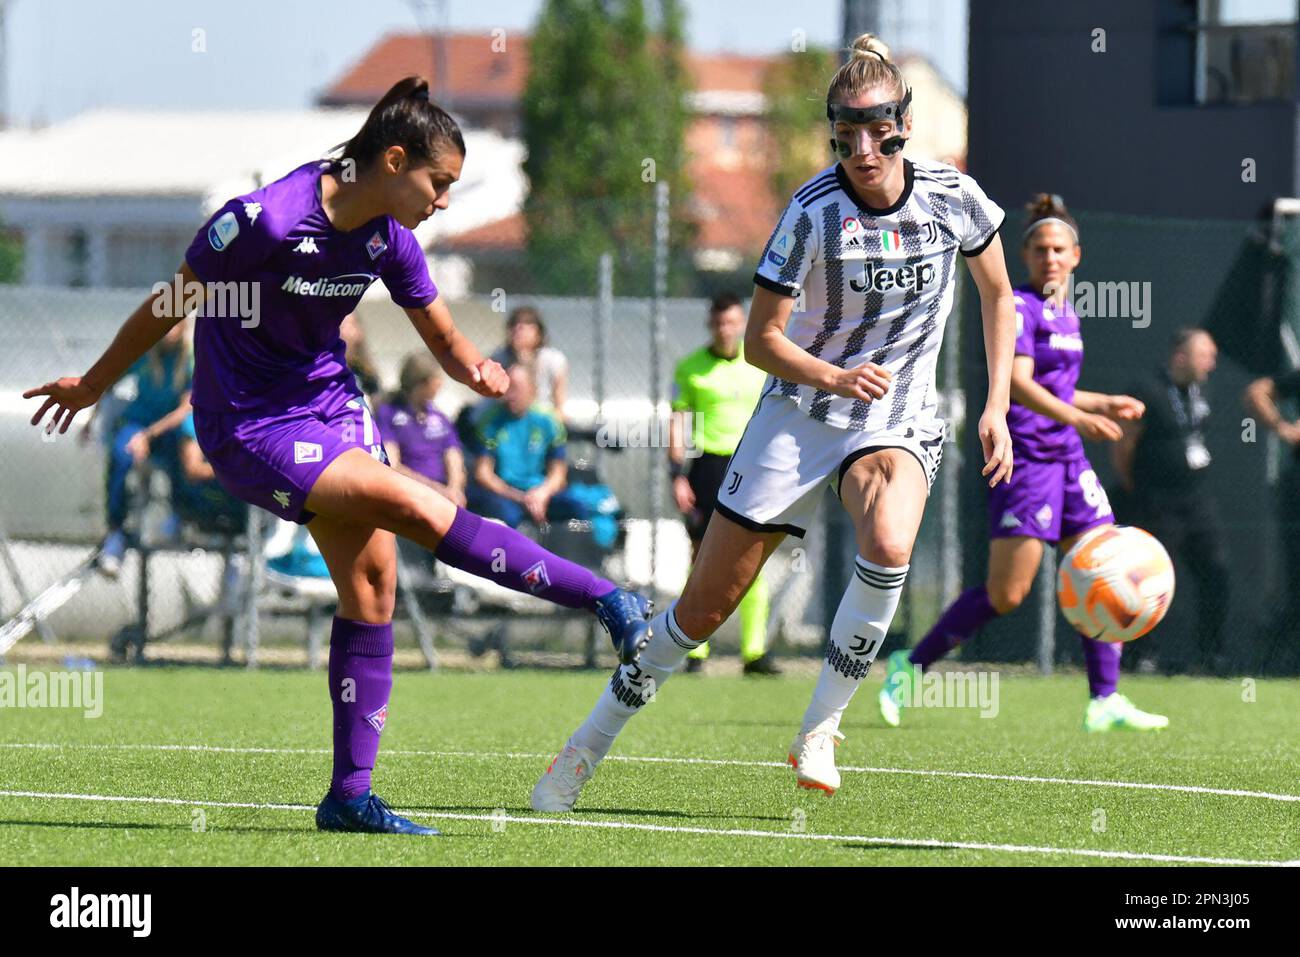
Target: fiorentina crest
377, 718
536, 578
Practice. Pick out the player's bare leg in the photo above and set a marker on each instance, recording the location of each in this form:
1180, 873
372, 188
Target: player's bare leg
884, 494
730, 558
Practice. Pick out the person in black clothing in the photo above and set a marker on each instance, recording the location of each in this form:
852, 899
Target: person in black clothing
1162, 462
1261, 398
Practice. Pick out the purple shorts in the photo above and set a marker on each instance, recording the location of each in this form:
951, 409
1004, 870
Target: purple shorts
273, 460
1048, 500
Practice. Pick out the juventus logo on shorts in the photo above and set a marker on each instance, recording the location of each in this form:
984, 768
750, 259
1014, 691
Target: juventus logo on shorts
735, 483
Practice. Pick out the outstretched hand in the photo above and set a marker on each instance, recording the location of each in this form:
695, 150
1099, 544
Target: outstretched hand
1124, 407
67, 397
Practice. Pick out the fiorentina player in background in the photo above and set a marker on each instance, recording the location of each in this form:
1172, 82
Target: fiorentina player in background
280, 417
852, 294
1054, 496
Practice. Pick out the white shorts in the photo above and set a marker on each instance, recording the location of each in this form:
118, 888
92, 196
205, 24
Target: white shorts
785, 458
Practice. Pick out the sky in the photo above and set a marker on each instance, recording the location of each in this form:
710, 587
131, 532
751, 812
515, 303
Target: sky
67, 56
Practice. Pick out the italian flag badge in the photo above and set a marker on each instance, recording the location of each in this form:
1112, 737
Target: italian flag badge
890, 241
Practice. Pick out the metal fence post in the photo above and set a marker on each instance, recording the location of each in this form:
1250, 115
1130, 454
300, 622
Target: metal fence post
656, 353
1047, 611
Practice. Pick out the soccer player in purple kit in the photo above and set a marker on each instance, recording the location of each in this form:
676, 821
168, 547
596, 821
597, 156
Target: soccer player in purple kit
1054, 495
280, 418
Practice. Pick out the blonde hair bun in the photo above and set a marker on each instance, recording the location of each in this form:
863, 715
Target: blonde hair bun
870, 45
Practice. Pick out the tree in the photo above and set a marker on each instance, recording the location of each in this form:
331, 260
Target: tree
11, 256
604, 115
795, 89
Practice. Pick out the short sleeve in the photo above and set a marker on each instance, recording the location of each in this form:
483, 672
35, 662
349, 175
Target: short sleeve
789, 254
556, 361
450, 440
1026, 326
683, 394
485, 432
981, 218
235, 241
558, 437
405, 272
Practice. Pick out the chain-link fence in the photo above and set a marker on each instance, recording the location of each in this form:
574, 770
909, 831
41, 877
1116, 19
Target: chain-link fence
1140, 280
54, 491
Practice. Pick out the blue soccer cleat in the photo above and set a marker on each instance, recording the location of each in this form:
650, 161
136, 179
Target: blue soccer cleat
626, 616
365, 814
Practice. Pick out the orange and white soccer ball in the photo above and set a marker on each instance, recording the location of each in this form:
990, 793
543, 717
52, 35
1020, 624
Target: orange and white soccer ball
1116, 583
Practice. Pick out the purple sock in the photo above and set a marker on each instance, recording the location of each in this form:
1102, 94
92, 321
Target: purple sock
963, 618
360, 676
1102, 660
500, 554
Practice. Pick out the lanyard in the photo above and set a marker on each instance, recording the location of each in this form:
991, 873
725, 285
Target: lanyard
1186, 412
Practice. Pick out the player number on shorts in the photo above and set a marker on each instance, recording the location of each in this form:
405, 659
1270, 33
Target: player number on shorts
1093, 493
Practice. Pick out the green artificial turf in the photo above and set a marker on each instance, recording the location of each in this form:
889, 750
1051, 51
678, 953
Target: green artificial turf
463, 750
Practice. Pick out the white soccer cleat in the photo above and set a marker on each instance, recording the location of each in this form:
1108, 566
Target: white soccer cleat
813, 757
559, 787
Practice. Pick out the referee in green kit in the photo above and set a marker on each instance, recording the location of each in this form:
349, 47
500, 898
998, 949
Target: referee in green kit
714, 394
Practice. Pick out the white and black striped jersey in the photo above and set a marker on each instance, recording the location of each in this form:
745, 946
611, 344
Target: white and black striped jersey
874, 285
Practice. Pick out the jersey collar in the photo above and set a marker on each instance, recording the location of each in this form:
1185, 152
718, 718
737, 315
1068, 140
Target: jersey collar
843, 179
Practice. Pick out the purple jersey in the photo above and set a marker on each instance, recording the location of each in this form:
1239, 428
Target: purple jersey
422, 441
309, 276
1049, 336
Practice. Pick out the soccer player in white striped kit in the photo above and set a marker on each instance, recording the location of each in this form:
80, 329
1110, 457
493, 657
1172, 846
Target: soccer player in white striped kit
853, 291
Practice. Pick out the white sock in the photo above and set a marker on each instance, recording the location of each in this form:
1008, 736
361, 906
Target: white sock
633, 685
857, 633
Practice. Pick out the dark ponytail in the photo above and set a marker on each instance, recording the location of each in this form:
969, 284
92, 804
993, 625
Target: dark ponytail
405, 117
1046, 206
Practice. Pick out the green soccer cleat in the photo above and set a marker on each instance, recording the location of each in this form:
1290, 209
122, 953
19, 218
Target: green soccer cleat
1116, 711
899, 676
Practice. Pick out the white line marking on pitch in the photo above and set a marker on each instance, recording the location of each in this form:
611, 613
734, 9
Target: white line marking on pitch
539, 756
680, 829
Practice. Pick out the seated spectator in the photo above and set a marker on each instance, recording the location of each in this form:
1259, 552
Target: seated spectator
521, 472
526, 345
420, 441
145, 429
198, 497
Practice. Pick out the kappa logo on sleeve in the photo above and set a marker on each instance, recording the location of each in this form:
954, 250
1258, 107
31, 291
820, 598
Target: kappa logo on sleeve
223, 232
